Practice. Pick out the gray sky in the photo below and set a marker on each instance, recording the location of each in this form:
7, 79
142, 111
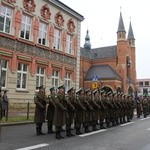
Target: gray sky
102, 17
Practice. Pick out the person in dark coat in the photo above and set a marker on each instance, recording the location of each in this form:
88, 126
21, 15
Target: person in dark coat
60, 113
71, 111
50, 110
5, 102
40, 101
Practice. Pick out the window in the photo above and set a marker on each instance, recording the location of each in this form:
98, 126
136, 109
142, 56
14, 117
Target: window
146, 83
39, 77
69, 44
22, 76
55, 78
141, 83
145, 91
42, 34
5, 19
25, 27
3, 72
57, 39
68, 81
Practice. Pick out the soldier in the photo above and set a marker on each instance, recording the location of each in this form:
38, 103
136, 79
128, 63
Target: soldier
40, 101
0, 108
59, 119
144, 105
50, 110
71, 111
103, 110
89, 112
80, 111
139, 106
97, 108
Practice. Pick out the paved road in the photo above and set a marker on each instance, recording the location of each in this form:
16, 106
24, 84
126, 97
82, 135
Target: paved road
130, 136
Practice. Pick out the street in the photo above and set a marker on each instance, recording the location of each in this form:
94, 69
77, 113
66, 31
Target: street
134, 135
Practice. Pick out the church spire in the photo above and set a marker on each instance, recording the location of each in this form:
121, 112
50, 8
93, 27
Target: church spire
87, 44
121, 33
131, 38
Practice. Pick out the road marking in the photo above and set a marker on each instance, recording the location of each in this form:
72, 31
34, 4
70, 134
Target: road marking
91, 133
33, 147
148, 129
126, 124
145, 118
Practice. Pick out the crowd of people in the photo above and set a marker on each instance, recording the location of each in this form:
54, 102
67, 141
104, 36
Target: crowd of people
82, 109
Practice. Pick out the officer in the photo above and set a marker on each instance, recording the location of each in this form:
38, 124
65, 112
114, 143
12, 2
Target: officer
40, 101
144, 105
71, 111
50, 110
59, 119
80, 111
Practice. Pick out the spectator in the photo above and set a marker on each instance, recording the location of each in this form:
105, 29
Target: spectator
5, 102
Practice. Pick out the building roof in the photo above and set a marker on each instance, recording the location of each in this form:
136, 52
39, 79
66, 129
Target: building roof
99, 53
103, 72
61, 5
130, 32
121, 27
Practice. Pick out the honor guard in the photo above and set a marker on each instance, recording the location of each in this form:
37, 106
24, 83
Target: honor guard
40, 101
50, 109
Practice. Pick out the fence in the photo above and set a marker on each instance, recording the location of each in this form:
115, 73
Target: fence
16, 111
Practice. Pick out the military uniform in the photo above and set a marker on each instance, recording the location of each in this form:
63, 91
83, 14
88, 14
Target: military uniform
59, 119
139, 107
144, 106
71, 110
80, 111
50, 110
40, 101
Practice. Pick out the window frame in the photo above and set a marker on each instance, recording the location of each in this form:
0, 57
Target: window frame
40, 75
22, 73
69, 44
5, 18
68, 81
43, 31
57, 39
26, 24
54, 78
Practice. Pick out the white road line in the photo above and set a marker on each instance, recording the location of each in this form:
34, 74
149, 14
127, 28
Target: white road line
145, 118
126, 124
33, 147
91, 133
148, 129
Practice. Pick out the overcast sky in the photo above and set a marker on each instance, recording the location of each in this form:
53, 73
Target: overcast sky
102, 17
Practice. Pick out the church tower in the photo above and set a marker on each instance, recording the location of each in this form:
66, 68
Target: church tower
87, 44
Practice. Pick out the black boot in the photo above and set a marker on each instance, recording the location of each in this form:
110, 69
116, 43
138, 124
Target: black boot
57, 135
40, 129
102, 126
50, 131
68, 133
37, 131
94, 128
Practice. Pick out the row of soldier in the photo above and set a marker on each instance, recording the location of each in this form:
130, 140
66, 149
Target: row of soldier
83, 109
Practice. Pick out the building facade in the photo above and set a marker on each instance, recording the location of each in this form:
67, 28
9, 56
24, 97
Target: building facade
143, 87
112, 66
39, 45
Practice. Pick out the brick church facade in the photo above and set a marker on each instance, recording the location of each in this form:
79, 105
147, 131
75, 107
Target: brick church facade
113, 66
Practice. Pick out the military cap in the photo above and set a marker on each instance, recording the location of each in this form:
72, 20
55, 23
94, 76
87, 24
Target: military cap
124, 95
95, 91
102, 92
70, 89
52, 88
115, 93
41, 87
61, 87
109, 93
80, 90
128, 96
87, 90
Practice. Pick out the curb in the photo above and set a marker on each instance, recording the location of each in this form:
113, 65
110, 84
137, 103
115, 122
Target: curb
16, 123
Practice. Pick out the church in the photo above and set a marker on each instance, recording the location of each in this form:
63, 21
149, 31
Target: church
111, 68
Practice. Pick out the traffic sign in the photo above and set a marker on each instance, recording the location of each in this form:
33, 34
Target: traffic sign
95, 78
94, 85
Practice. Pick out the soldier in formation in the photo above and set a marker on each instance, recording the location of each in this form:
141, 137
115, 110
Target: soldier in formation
85, 110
